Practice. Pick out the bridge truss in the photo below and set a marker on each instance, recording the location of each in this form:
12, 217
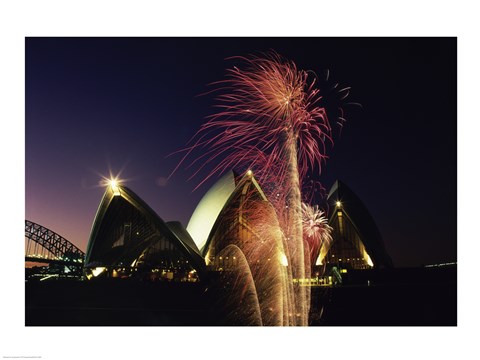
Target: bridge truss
44, 245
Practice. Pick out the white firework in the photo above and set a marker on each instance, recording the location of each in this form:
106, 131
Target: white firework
316, 230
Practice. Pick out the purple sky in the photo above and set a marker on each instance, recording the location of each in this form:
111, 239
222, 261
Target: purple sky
98, 105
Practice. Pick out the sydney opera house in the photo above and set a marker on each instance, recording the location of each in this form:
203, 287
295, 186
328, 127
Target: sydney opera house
230, 266
128, 239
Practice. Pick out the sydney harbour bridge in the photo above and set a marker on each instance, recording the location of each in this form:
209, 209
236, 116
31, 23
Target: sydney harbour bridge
44, 246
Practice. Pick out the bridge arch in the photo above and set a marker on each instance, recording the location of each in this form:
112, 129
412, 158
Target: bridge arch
62, 250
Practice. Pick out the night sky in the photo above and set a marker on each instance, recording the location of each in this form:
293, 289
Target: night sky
96, 105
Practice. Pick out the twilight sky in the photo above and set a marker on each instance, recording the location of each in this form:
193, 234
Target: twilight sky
95, 105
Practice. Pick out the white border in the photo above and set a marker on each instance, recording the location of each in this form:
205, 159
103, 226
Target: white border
217, 18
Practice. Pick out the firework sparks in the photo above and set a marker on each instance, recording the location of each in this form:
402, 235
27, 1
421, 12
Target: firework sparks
269, 120
257, 104
248, 248
316, 231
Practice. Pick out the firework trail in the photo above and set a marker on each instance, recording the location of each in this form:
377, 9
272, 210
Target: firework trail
237, 302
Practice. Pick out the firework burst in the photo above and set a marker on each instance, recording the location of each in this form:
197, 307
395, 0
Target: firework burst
258, 104
316, 231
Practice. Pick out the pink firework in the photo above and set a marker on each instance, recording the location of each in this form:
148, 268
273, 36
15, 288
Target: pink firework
316, 231
258, 104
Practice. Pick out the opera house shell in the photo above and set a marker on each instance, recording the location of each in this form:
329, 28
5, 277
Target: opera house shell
357, 243
129, 239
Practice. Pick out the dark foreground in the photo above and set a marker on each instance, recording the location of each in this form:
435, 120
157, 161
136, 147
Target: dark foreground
410, 297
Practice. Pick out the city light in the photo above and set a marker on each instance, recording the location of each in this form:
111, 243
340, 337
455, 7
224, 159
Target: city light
338, 204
